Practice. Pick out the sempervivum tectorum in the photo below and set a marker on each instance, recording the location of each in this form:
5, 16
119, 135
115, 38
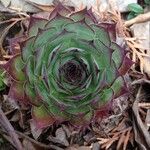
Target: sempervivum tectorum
68, 68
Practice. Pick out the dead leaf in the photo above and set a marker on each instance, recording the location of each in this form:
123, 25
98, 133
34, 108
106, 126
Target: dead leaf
36, 132
46, 8
61, 135
95, 146
67, 131
147, 120
142, 136
146, 66
127, 137
28, 145
84, 148
121, 141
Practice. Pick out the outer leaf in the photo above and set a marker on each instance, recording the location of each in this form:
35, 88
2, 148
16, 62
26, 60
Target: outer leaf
27, 49
35, 24
101, 34
82, 120
84, 14
126, 65
110, 28
147, 2
42, 117
61, 10
118, 54
15, 68
16, 92
135, 8
31, 95
119, 87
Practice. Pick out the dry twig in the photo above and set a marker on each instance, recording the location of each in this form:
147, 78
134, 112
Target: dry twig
138, 120
144, 105
44, 146
8, 127
140, 81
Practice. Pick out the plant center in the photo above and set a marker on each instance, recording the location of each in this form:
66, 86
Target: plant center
72, 72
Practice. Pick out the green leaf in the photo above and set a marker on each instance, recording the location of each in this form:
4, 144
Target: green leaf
119, 87
101, 34
42, 116
27, 49
2, 84
135, 8
78, 110
103, 54
35, 24
44, 36
84, 14
2, 77
106, 96
118, 54
82, 119
131, 15
81, 30
30, 70
16, 92
15, 68
147, 2
31, 94
58, 22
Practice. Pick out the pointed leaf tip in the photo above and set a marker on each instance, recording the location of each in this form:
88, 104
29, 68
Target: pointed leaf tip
42, 116
16, 92
15, 68
126, 65
63, 10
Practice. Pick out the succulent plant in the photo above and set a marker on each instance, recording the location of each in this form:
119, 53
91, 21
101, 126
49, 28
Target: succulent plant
69, 67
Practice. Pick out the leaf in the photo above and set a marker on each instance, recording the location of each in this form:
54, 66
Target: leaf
61, 135
15, 68
146, 68
147, 2
28, 145
127, 137
42, 117
121, 141
3, 34
36, 132
141, 133
2, 84
131, 15
135, 8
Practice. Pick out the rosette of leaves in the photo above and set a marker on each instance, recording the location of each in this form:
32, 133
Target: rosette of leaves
68, 68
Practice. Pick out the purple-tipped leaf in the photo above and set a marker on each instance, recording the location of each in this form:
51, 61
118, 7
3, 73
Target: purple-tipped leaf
15, 68
42, 117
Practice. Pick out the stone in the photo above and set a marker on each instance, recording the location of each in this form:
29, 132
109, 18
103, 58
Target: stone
96, 146
142, 32
101, 5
